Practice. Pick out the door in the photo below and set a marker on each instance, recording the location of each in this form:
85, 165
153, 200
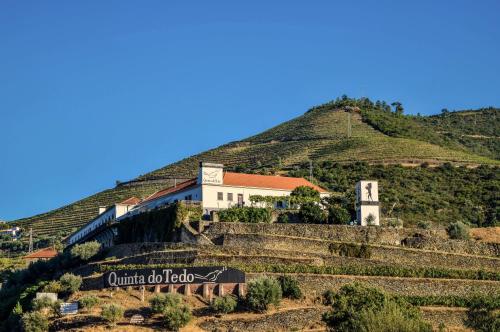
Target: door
240, 199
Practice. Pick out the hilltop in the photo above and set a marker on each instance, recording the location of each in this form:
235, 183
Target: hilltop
378, 137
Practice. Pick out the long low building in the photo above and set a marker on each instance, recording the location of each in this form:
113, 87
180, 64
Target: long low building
214, 189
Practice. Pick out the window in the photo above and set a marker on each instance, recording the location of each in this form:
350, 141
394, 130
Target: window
188, 198
230, 197
220, 196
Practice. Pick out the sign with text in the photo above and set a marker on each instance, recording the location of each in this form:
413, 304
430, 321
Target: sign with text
182, 275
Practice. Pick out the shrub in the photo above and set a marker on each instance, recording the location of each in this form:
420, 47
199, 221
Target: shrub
86, 251
46, 305
262, 293
391, 318
424, 224
338, 215
112, 313
289, 287
311, 213
34, 322
360, 308
177, 316
328, 297
283, 218
53, 287
224, 304
306, 193
245, 214
350, 250
88, 302
370, 220
458, 230
159, 303
70, 283
483, 316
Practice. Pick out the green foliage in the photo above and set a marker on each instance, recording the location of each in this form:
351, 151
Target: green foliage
175, 314
350, 250
454, 301
88, 302
305, 192
423, 224
483, 317
439, 194
176, 317
354, 269
338, 215
370, 220
224, 304
160, 302
360, 308
312, 213
70, 283
328, 297
290, 287
53, 287
283, 218
458, 230
86, 251
262, 293
112, 313
245, 214
34, 322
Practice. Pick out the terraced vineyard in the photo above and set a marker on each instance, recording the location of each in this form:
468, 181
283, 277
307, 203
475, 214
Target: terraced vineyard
441, 274
318, 135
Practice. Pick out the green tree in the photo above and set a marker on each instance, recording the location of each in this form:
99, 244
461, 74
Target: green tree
262, 293
86, 251
312, 213
34, 322
290, 287
398, 108
458, 230
112, 313
70, 283
224, 304
338, 215
305, 193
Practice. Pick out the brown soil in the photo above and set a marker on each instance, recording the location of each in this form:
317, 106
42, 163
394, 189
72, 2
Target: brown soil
488, 234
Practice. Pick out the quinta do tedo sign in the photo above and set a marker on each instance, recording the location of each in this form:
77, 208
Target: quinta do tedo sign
185, 275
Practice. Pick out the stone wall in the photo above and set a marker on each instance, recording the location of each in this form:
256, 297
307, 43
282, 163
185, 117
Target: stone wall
313, 285
410, 237
389, 255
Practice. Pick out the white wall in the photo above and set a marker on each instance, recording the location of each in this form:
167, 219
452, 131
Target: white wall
108, 215
365, 210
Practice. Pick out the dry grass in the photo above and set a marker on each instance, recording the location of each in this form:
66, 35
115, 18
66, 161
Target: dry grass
489, 234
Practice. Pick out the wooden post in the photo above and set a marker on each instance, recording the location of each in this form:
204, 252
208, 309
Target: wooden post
207, 293
142, 293
171, 288
157, 288
241, 290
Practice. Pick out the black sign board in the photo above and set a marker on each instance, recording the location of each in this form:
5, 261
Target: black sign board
181, 275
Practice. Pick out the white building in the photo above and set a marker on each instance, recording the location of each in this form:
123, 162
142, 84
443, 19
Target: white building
213, 188
106, 215
13, 232
217, 190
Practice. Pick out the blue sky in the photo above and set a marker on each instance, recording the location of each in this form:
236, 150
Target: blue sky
97, 91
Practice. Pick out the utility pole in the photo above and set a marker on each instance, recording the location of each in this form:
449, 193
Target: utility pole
349, 126
30, 249
310, 170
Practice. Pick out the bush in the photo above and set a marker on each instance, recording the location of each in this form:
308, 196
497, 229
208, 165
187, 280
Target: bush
311, 213
424, 224
53, 287
70, 283
328, 297
177, 316
34, 322
112, 313
283, 218
360, 308
350, 250
224, 304
458, 230
290, 287
338, 215
88, 302
159, 303
262, 293
47, 306
305, 193
86, 251
391, 318
483, 316
245, 214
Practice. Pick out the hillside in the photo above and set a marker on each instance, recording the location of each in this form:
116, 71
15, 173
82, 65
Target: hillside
319, 135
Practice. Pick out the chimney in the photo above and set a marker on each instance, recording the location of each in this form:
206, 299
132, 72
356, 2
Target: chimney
209, 173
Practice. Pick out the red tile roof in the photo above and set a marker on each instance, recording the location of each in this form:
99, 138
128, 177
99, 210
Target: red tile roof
131, 201
179, 187
267, 181
48, 252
